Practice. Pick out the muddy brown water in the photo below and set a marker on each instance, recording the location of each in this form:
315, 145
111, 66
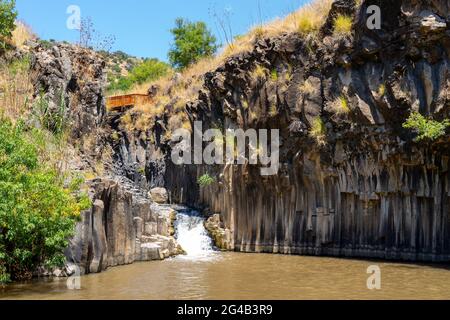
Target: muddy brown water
247, 276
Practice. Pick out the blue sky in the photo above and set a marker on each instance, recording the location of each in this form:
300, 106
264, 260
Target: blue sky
142, 27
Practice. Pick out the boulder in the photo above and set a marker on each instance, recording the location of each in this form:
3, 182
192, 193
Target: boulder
159, 195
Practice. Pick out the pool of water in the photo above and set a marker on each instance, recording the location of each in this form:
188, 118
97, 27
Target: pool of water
247, 276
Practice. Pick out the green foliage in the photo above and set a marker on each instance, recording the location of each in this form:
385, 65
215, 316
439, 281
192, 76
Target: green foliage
37, 213
192, 41
8, 15
205, 180
427, 129
149, 70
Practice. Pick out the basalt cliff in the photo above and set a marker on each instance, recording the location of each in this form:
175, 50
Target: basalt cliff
362, 186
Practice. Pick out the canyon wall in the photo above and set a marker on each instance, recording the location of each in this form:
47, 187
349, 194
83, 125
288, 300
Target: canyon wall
363, 188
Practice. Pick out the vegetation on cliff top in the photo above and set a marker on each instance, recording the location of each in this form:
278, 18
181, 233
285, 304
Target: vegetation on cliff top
192, 41
148, 70
306, 22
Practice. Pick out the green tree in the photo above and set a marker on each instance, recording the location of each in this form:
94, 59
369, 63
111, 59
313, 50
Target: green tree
37, 211
192, 40
8, 15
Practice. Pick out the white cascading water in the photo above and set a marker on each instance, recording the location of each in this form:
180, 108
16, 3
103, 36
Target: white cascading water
192, 235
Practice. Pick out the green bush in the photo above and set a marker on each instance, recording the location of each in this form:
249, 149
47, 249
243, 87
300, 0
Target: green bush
205, 180
149, 70
8, 15
37, 212
192, 41
427, 129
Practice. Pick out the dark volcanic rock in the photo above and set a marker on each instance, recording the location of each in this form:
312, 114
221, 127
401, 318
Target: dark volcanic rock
366, 188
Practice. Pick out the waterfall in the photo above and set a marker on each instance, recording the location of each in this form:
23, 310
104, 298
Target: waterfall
192, 235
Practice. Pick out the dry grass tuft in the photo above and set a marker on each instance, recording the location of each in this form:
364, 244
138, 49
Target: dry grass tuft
259, 73
306, 87
339, 106
21, 34
343, 25
318, 131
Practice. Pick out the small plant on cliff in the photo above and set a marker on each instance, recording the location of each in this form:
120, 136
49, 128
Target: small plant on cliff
205, 180
37, 211
259, 73
274, 75
343, 25
192, 41
382, 90
306, 87
427, 129
339, 106
318, 131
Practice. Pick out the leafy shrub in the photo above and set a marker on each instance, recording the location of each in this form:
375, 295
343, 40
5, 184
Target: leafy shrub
426, 128
149, 70
192, 41
37, 213
343, 25
8, 15
205, 180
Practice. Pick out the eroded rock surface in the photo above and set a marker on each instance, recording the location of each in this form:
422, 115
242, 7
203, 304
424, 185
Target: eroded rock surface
122, 227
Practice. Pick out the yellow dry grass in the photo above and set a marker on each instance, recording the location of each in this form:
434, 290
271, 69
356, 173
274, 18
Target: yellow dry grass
21, 34
15, 88
339, 106
343, 25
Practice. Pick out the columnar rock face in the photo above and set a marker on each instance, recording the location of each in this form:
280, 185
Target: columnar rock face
361, 186
122, 227
367, 189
